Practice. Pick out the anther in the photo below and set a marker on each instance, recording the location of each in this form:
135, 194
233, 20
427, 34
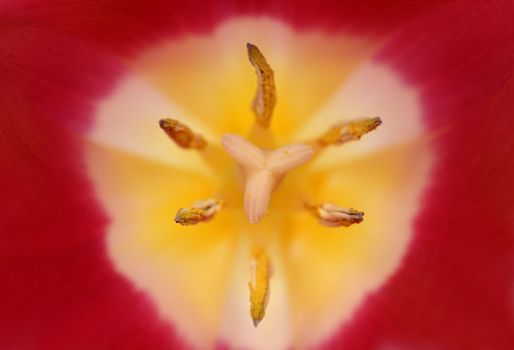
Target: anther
200, 211
332, 215
348, 131
182, 134
260, 268
265, 97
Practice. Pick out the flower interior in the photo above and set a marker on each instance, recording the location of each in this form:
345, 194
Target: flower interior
252, 211
261, 171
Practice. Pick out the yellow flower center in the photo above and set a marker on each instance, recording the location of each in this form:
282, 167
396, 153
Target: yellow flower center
262, 172
305, 272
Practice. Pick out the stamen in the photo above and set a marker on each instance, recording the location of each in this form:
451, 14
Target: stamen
259, 285
182, 134
265, 98
200, 211
331, 215
263, 170
348, 131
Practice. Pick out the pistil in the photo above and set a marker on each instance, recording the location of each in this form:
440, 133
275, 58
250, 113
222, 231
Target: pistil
263, 170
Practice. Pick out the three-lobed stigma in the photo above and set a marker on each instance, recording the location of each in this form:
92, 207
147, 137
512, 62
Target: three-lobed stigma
263, 170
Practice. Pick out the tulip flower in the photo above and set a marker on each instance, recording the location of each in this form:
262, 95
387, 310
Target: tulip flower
256, 175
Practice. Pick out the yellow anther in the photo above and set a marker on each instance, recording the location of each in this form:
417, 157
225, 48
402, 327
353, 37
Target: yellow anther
265, 98
200, 211
259, 285
348, 131
333, 216
182, 134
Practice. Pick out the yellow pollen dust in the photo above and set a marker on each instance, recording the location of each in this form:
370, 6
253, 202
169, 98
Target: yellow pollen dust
182, 134
348, 131
259, 285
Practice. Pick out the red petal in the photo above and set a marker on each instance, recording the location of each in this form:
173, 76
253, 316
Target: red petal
454, 290
59, 290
